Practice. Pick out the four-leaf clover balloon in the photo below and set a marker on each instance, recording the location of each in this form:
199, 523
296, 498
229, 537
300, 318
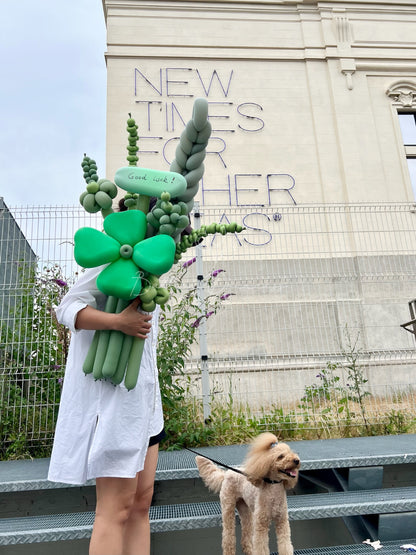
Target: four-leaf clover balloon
126, 251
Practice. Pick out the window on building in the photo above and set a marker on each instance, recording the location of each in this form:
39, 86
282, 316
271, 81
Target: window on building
408, 128
411, 162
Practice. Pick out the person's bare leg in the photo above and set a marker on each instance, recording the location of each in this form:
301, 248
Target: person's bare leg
137, 529
115, 498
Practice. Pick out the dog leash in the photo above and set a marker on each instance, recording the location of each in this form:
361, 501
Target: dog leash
265, 479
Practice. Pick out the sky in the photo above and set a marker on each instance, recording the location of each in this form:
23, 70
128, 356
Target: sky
52, 98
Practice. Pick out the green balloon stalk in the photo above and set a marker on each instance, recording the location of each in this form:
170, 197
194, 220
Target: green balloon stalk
141, 244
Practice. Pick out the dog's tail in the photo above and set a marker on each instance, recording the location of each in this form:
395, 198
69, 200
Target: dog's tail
211, 475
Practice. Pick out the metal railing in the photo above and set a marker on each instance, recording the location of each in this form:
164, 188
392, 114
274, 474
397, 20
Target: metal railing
318, 294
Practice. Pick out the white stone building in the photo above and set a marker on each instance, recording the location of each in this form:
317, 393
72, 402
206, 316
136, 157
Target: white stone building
305, 96
313, 108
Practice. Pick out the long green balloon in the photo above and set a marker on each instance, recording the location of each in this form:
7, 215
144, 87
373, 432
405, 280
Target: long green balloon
133, 365
114, 347
122, 362
89, 362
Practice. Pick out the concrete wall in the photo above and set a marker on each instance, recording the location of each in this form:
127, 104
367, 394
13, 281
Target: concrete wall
271, 339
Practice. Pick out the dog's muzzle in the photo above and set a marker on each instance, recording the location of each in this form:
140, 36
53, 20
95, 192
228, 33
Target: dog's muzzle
291, 473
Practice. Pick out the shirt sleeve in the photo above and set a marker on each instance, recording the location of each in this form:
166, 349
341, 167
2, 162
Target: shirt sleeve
83, 293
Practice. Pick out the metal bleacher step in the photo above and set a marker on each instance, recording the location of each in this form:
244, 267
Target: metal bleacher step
48, 528
350, 503
389, 548
74, 526
167, 518
183, 506
24, 475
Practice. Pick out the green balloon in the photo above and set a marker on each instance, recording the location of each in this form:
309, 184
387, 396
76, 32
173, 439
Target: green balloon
156, 254
127, 227
124, 246
93, 248
149, 182
120, 279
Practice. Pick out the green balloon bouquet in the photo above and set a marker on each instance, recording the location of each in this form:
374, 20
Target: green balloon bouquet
139, 245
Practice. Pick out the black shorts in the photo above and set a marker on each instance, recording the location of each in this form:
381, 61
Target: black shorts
157, 439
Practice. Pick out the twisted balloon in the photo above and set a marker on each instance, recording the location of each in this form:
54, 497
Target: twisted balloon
191, 151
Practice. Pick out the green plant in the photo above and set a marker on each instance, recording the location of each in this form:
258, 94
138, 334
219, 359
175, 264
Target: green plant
397, 422
322, 400
328, 399
356, 380
178, 331
33, 348
325, 389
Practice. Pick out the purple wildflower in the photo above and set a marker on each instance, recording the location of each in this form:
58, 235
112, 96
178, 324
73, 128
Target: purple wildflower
216, 272
196, 323
189, 262
60, 282
225, 296
60, 381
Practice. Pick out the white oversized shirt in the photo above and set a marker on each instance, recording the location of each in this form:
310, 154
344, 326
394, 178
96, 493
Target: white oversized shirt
102, 430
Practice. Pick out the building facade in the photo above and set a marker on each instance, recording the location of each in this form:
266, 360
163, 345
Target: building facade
306, 98
312, 105
16, 258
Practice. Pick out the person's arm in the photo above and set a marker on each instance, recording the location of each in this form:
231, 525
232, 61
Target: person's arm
129, 321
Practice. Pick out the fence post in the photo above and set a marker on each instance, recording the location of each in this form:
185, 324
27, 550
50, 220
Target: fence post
203, 347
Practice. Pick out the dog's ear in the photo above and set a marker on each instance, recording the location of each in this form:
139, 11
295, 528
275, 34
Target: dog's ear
259, 458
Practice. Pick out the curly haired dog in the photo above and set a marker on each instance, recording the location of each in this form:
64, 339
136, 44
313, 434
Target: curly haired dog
258, 494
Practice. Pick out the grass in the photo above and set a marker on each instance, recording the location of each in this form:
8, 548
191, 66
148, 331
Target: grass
235, 423
232, 422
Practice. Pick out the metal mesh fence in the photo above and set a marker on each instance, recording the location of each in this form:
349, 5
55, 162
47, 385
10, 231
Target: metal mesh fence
312, 331
309, 332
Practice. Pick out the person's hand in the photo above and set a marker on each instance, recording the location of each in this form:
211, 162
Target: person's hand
132, 322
